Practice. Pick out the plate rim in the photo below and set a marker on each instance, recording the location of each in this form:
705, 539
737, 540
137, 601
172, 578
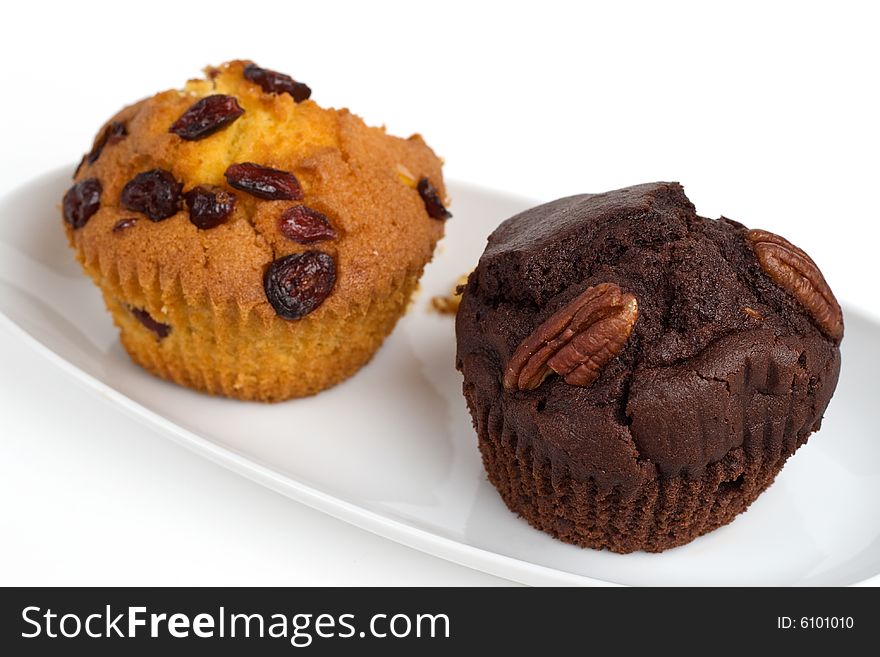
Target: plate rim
423, 540
500, 565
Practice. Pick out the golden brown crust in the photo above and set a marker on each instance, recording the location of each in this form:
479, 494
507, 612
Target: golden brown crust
176, 271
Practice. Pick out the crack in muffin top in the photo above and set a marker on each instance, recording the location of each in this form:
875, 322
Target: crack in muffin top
349, 173
707, 314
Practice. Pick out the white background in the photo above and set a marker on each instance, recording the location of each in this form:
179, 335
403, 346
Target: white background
766, 112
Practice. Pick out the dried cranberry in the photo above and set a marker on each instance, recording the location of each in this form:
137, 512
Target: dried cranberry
155, 193
263, 182
145, 318
122, 224
82, 201
206, 116
304, 225
433, 204
112, 133
273, 82
298, 283
209, 206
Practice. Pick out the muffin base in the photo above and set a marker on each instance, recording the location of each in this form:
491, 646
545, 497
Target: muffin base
663, 513
236, 353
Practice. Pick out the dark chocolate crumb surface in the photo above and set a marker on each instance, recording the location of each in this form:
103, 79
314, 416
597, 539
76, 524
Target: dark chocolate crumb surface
718, 354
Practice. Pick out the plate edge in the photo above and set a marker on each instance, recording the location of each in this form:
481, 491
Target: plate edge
423, 540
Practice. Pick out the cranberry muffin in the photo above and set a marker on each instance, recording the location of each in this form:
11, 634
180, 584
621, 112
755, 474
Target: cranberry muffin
249, 242
638, 374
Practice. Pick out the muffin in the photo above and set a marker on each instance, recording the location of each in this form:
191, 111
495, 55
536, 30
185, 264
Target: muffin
637, 374
248, 242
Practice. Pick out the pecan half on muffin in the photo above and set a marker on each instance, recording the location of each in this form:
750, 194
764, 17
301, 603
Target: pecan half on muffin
638, 374
248, 242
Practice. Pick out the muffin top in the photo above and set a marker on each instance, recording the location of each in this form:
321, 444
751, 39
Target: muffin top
214, 183
637, 338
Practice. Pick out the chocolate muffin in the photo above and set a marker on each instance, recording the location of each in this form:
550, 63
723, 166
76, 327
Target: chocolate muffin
249, 242
638, 374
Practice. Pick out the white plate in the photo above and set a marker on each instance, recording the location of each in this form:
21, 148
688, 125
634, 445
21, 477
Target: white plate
392, 450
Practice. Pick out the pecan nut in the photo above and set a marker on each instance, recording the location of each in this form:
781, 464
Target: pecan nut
796, 273
577, 341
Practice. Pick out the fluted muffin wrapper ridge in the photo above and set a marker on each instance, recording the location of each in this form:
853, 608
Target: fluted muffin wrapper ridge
545, 488
232, 350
